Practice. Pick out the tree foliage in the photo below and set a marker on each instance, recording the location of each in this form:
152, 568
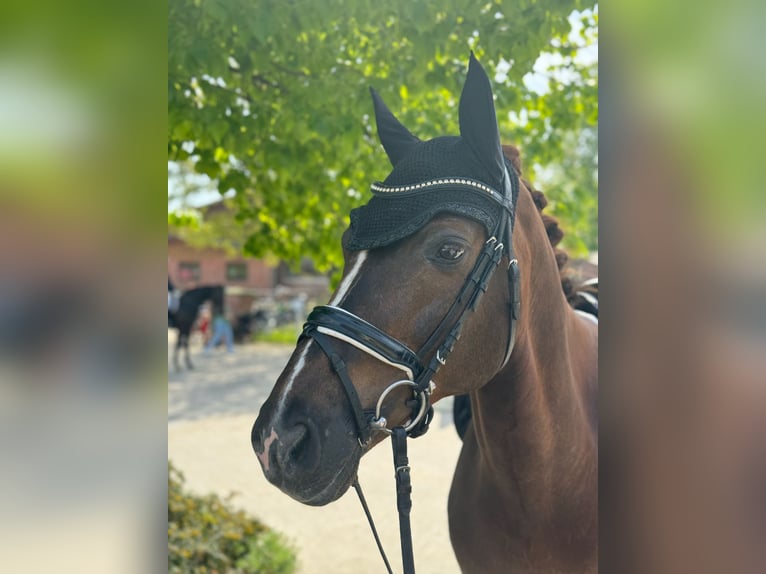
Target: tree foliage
271, 99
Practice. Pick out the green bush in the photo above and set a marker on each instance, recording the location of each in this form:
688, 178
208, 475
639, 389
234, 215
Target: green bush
283, 335
206, 535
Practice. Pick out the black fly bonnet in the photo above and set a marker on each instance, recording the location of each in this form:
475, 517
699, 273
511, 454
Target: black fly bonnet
436, 176
466, 175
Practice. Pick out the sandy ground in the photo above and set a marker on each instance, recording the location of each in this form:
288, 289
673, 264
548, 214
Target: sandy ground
210, 413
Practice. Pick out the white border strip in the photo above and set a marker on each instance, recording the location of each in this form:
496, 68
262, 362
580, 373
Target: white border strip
365, 349
589, 298
587, 316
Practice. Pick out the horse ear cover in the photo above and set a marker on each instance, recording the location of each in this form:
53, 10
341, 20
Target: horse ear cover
478, 122
395, 210
397, 140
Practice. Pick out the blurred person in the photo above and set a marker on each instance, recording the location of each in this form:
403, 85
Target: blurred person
174, 298
298, 305
204, 325
221, 330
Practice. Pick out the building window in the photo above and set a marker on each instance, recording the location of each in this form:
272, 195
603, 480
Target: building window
188, 271
236, 271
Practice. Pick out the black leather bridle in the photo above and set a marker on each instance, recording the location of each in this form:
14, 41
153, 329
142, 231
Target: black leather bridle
327, 322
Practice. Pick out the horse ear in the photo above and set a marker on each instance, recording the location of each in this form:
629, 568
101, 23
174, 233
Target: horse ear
478, 123
396, 139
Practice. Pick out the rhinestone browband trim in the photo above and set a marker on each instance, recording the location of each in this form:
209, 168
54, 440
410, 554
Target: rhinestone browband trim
434, 182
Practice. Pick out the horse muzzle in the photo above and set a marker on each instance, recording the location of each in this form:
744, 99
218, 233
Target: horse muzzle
312, 466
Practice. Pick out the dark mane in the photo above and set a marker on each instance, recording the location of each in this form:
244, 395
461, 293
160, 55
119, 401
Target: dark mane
555, 234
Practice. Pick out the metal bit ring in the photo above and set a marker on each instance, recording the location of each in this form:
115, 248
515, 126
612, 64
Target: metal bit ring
379, 423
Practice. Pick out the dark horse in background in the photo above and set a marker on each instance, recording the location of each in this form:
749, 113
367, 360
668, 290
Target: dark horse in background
186, 315
524, 495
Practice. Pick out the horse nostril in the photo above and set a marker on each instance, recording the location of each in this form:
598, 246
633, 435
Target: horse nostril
299, 453
298, 448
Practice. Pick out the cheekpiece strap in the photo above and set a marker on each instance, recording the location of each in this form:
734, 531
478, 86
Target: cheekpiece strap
339, 366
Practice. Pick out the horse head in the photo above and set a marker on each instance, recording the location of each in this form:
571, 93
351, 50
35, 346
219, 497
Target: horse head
419, 258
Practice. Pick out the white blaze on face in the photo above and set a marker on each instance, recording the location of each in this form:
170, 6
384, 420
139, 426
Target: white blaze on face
348, 280
300, 363
340, 294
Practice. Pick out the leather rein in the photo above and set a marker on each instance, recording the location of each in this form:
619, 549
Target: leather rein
326, 323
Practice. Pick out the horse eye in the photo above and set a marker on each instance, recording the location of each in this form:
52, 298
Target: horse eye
451, 251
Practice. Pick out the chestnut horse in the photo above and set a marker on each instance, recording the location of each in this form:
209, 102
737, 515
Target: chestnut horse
524, 493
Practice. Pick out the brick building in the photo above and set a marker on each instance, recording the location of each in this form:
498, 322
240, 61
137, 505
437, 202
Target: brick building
189, 267
247, 280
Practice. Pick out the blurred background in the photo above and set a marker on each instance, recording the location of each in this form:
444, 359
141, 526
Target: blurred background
683, 392
82, 242
264, 106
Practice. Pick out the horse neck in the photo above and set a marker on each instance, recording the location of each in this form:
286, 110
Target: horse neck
532, 419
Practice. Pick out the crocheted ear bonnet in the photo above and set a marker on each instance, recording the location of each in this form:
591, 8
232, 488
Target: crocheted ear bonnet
466, 175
